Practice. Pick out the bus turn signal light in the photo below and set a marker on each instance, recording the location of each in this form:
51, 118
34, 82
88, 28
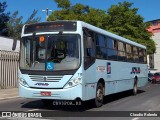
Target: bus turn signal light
41, 39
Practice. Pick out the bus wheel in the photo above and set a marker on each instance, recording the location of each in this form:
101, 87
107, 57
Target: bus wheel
47, 102
99, 95
135, 88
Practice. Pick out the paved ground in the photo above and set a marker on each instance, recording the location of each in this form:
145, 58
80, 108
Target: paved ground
147, 100
8, 93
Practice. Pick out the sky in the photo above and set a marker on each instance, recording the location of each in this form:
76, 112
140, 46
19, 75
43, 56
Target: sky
148, 9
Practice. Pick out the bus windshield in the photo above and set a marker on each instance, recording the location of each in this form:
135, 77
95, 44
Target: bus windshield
50, 52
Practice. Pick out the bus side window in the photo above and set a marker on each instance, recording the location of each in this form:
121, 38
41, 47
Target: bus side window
141, 56
112, 49
145, 56
135, 54
89, 48
121, 51
129, 53
101, 50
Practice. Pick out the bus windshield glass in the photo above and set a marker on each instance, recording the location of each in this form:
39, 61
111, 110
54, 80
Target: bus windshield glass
50, 52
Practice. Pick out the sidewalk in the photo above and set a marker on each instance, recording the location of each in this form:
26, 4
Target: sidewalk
8, 93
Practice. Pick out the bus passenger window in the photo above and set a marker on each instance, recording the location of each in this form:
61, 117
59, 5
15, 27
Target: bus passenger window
141, 56
101, 50
129, 53
145, 56
135, 54
114, 44
89, 48
121, 51
112, 49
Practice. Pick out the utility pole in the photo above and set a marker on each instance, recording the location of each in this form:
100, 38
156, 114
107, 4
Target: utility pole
47, 11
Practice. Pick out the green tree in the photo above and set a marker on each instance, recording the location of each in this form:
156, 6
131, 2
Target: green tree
78, 12
15, 24
65, 4
4, 18
32, 18
120, 19
124, 21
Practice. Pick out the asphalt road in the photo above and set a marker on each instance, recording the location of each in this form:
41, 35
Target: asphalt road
121, 104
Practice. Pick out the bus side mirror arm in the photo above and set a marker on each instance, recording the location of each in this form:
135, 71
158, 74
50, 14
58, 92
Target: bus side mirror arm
14, 44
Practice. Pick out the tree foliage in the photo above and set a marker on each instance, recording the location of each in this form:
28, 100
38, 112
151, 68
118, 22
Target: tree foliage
78, 12
11, 25
120, 19
63, 3
4, 18
15, 24
124, 20
32, 18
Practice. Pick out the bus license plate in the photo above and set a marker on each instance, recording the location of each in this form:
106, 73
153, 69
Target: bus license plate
45, 93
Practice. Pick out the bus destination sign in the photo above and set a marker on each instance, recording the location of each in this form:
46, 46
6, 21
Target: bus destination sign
51, 27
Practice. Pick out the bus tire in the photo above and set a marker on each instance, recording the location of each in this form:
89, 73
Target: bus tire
135, 88
47, 102
99, 95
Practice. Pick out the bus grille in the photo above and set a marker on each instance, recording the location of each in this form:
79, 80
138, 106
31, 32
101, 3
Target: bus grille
45, 78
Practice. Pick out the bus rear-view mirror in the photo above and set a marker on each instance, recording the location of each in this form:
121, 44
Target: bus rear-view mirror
14, 44
89, 42
89, 46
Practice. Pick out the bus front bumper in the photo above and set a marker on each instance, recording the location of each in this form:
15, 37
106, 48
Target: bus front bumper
56, 94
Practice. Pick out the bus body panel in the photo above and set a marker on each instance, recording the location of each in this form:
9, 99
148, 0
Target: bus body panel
61, 93
121, 81
90, 82
121, 75
56, 94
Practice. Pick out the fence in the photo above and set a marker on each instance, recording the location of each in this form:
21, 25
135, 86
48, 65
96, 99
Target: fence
8, 69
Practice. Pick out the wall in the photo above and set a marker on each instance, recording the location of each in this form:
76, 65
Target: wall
156, 38
155, 30
9, 61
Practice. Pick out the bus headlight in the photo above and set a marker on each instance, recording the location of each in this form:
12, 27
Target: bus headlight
73, 82
23, 82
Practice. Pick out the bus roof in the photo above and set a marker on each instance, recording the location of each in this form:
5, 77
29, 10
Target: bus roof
98, 30
109, 34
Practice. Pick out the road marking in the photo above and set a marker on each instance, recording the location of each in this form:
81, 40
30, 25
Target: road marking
33, 110
135, 118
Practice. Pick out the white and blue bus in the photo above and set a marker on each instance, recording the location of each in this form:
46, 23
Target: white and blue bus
70, 60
